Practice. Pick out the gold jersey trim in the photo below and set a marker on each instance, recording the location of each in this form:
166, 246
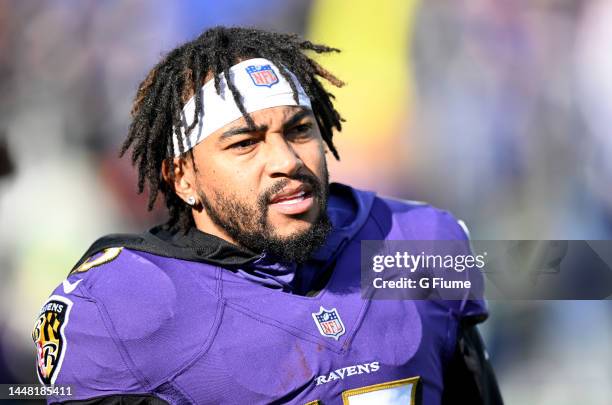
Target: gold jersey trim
108, 255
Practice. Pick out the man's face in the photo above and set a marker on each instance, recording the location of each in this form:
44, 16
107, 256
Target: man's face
266, 189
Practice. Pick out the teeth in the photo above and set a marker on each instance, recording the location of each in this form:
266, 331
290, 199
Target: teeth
298, 197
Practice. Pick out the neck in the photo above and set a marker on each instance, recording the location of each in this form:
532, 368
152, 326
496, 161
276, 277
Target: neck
205, 224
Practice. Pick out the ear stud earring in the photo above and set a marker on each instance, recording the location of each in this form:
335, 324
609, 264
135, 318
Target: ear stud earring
191, 200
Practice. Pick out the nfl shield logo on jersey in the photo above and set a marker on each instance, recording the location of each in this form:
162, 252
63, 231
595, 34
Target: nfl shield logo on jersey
329, 323
262, 75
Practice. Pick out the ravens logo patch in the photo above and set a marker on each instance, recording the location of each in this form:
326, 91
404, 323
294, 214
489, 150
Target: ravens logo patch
49, 338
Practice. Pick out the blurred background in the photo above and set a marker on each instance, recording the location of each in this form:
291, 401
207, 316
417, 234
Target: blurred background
499, 111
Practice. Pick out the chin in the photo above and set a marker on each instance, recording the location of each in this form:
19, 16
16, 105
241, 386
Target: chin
288, 230
293, 223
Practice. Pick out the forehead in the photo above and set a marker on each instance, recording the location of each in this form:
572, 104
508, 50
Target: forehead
271, 114
264, 119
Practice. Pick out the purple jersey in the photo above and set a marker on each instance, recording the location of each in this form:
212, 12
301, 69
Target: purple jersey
134, 322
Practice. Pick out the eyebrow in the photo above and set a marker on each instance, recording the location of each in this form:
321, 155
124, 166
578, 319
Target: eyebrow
295, 118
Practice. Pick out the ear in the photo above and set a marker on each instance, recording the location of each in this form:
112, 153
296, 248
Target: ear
183, 181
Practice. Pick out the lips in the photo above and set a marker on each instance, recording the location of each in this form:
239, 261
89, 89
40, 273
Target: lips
292, 201
292, 195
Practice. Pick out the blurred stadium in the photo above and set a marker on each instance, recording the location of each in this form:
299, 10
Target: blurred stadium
499, 111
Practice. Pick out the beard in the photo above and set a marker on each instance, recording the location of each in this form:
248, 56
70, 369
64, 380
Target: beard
248, 224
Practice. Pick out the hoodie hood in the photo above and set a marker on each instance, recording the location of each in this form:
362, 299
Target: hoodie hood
348, 210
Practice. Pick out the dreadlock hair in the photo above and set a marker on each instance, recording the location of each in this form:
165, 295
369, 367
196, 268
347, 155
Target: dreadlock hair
157, 107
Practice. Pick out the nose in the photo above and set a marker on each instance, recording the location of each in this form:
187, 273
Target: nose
282, 159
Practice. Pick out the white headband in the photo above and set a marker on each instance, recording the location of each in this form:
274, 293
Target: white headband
260, 84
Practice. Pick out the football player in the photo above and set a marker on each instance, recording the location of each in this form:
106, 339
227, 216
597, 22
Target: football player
250, 292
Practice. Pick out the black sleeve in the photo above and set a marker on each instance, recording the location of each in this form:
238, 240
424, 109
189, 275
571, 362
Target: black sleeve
125, 399
469, 378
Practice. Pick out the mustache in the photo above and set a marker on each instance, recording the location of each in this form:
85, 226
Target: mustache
309, 179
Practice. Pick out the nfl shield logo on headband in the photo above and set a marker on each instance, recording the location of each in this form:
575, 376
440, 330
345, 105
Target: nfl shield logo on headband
262, 75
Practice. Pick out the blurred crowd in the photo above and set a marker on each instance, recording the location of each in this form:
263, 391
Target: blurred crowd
499, 111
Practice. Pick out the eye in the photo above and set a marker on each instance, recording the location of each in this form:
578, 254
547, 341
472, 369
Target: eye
301, 130
244, 144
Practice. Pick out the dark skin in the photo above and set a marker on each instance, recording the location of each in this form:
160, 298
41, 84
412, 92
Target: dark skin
241, 162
